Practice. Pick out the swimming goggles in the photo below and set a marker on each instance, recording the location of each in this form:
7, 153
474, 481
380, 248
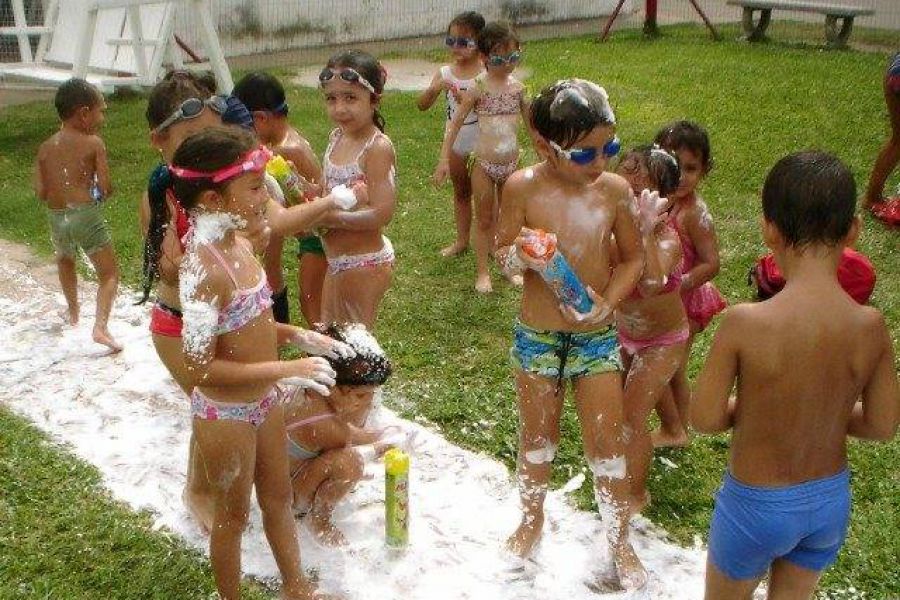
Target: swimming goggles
253, 161
191, 109
584, 156
513, 58
281, 109
347, 74
459, 42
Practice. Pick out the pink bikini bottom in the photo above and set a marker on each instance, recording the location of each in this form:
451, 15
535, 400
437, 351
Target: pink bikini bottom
633, 346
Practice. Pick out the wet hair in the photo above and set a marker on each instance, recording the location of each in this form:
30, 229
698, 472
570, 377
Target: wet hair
471, 20
175, 88
74, 94
663, 171
261, 91
686, 135
570, 109
207, 150
495, 34
811, 198
368, 66
370, 366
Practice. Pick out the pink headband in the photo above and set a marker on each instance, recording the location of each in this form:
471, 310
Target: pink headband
253, 161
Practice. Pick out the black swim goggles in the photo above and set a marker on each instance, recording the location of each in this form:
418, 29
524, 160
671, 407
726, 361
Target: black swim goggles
459, 42
191, 109
347, 74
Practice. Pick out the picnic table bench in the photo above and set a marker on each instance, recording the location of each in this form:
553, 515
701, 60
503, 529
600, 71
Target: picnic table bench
834, 34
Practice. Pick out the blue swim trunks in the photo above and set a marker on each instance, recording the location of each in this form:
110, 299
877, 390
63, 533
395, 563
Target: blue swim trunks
565, 354
753, 526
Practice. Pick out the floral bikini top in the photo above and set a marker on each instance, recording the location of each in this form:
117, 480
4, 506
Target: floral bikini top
498, 103
246, 303
336, 175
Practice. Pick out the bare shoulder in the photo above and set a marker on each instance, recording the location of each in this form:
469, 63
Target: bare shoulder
521, 181
613, 188
871, 322
739, 321
382, 146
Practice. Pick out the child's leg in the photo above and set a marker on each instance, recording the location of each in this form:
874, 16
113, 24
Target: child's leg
311, 276
674, 404
229, 452
651, 371
540, 406
337, 472
598, 400
485, 226
353, 296
788, 581
890, 152
273, 491
197, 494
462, 203
68, 280
720, 586
104, 261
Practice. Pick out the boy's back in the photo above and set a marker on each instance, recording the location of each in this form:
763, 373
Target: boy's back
67, 161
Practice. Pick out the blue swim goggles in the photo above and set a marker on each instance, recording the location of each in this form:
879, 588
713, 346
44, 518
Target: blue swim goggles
585, 156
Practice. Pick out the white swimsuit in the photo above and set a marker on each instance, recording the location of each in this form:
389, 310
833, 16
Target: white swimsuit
468, 133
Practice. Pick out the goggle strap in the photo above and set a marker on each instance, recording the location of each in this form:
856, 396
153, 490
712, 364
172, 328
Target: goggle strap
253, 161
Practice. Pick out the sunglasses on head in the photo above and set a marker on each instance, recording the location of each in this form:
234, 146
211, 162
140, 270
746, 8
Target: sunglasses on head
347, 74
513, 58
191, 109
584, 156
253, 161
459, 42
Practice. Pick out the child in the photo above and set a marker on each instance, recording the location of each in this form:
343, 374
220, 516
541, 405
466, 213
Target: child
784, 505
453, 79
570, 195
360, 257
651, 322
324, 465
498, 100
264, 96
890, 153
72, 178
238, 424
692, 221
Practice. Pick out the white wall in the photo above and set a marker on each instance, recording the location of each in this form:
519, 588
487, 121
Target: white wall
257, 26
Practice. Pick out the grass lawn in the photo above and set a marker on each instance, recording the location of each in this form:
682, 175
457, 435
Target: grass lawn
449, 344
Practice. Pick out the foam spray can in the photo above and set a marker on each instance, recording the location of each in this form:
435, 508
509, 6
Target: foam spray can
292, 185
557, 272
396, 498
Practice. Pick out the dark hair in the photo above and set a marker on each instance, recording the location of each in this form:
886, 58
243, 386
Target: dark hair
261, 91
663, 169
811, 198
175, 88
208, 150
686, 135
566, 122
237, 114
73, 94
495, 34
370, 366
471, 20
368, 66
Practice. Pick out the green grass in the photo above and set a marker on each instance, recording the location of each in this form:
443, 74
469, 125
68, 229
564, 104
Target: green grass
450, 345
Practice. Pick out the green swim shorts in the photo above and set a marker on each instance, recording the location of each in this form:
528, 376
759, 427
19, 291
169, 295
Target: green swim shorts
78, 227
309, 244
564, 354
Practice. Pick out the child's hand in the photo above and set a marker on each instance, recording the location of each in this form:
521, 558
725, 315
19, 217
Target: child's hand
601, 313
313, 342
361, 190
526, 236
650, 208
309, 373
442, 171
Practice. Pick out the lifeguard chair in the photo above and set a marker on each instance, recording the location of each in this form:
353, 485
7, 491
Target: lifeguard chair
111, 43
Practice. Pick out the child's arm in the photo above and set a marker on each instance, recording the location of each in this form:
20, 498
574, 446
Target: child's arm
628, 271
298, 218
712, 409
431, 93
466, 104
510, 224
382, 195
662, 252
702, 232
101, 168
305, 161
876, 415
525, 110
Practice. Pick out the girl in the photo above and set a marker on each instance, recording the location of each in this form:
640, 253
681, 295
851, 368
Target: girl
453, 79
238, 420
693, 223
890, 153
651, 322
570, 195
324, 465
264, 97
498, 100
360, 258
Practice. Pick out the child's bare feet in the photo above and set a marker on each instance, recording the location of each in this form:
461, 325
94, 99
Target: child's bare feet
305, 590
666, 439
454, 249
631, 572
483, 284
102, 336
526, 536
324, 530
70, 315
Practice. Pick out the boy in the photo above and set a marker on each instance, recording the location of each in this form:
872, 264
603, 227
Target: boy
571, 195
72, 176
812, 367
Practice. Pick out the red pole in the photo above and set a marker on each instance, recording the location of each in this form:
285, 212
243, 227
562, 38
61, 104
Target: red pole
650, 27
651, 10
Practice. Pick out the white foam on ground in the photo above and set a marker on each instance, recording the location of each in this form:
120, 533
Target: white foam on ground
123, 414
